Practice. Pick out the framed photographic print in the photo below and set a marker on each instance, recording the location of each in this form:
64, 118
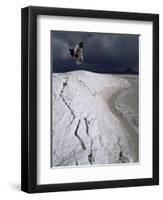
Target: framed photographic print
90, 99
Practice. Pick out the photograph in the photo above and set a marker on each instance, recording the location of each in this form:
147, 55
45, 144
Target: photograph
89, 99
94, 98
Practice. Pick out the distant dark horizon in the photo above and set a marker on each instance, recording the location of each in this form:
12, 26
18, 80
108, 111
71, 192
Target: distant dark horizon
103, 52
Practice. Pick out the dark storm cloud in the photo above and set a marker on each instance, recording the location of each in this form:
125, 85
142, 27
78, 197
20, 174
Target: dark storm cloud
103, 52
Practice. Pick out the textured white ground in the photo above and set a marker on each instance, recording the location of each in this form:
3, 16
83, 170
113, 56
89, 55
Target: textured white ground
91, 122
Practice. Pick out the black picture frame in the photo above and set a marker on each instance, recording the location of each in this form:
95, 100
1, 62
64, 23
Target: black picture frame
29, 99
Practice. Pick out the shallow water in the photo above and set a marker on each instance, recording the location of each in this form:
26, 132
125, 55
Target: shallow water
126, 107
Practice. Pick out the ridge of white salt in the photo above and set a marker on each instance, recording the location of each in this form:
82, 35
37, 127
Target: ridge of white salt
85, 130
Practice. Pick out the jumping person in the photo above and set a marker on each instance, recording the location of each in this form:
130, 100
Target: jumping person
77, 53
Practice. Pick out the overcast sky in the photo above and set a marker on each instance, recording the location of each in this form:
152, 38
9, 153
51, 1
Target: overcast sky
103, 52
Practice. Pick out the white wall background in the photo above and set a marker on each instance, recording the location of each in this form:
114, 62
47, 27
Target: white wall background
10, 80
